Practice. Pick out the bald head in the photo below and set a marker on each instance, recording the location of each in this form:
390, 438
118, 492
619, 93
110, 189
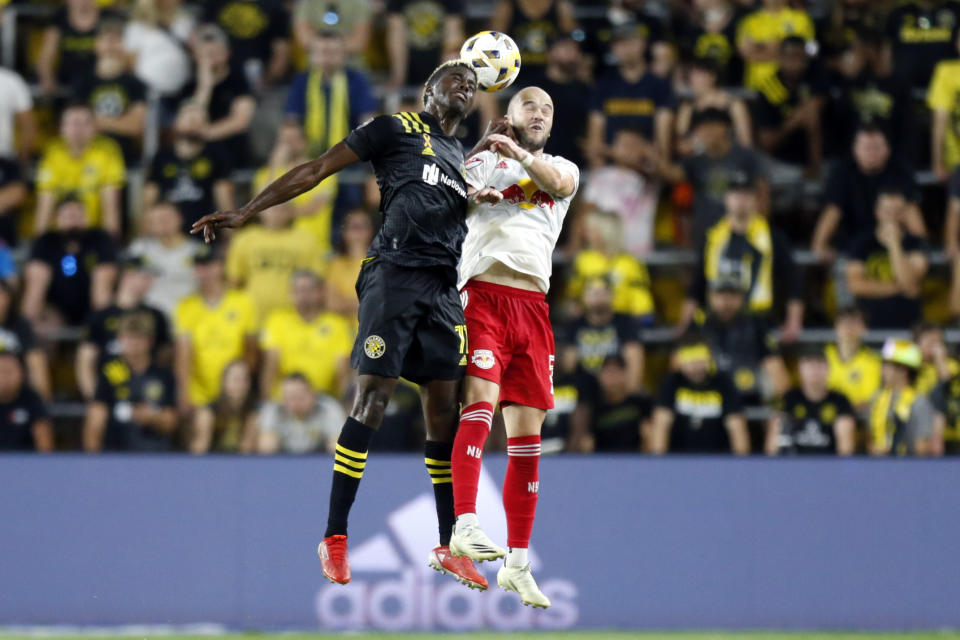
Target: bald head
531, 114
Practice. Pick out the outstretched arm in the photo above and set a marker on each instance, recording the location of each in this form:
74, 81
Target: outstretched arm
298, 180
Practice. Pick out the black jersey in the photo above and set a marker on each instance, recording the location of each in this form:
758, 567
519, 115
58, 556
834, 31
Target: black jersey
423, 193
699, 412
807, 426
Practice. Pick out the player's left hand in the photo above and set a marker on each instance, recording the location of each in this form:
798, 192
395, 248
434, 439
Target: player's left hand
506, 147
488, 195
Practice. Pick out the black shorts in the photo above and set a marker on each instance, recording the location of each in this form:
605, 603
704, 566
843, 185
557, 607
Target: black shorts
411, 323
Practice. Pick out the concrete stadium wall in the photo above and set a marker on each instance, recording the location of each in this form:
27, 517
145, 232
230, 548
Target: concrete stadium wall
619, 542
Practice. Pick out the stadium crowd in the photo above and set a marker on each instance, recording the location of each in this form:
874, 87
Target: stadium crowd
789, 170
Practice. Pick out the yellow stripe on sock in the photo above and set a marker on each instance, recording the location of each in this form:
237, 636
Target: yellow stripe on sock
347, 472
441, 480
437, 463
352, 453
350, 463
439, 472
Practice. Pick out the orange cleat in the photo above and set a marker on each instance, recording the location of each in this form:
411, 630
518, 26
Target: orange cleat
460, 567
333, 557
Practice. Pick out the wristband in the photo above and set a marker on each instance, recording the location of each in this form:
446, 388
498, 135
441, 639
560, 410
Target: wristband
527, 161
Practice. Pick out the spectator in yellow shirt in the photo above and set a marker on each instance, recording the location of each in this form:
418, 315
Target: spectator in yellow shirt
943, 98
262, 258
306, 339
604, 257
760, 33
312, 210
84, 164
854, 367
214, 327
344, 269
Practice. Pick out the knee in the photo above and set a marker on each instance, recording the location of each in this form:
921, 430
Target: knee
369, 406
442, 421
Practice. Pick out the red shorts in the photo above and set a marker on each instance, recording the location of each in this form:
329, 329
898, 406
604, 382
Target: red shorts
510, 342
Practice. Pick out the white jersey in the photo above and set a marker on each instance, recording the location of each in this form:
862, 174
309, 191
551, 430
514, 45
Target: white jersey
521, 231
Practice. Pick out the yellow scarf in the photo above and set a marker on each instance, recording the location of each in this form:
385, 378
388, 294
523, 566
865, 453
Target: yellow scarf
758, 235
325, 127
891, 431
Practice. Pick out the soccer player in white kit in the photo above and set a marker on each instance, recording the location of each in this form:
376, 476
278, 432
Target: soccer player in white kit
504, 274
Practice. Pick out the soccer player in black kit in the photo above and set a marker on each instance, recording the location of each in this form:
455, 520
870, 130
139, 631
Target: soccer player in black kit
411, 320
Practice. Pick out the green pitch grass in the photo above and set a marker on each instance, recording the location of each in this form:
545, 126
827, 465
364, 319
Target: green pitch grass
547, 635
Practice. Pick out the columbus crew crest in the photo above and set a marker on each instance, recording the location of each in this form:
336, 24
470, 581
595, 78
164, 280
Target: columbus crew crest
374, 346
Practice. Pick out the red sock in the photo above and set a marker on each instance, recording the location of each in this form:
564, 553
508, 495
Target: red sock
467, 453
520, 488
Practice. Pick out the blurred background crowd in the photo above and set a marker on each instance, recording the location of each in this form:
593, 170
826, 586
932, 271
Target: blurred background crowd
764, 254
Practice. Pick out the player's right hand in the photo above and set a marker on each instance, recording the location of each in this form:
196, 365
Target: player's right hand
217, 220
488, 195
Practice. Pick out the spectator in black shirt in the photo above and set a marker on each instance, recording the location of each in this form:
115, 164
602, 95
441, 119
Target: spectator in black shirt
712, 34
71, 270
420, 35
259, 32
570, 414
618, 416
788, 109
600, 333
13, 195
698, 410
923, 33
67, 48
951, 225
24, 422
222, 91
561, 80
811, 418
116, 97
741, 343
17, 337
190, 173
133, 408
851, 191
703, 78
102, 341
886, 267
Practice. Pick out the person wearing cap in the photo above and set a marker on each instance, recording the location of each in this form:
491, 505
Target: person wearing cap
102, 340
900, 418
886, 267
601, 332
698, 409
116, 97
213, 327
702, 77
630, 96
329, 99
222, 91
713, 159
851, 191
788, 112
71, 270
190, 172
25, 424
134, 406
937, 365
259, 33
743, 242
811, 418
760, 34
741, 343
855, 369
618, 416
308, 339
81, 164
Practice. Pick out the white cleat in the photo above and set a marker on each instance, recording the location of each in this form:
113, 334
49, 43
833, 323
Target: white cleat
471, 541
520, 580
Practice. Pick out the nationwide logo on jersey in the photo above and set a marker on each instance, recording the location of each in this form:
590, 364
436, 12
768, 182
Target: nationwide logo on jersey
393, 589
483, 358
526, 195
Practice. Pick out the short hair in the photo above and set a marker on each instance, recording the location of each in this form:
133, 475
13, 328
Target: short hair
440, 71
314, 277
70, 198
112, 24
793, 41
73, 104
870, 128
849, 311
138, 323
297, 376
704, 63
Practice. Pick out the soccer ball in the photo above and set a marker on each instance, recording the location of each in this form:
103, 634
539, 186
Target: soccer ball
494, 57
